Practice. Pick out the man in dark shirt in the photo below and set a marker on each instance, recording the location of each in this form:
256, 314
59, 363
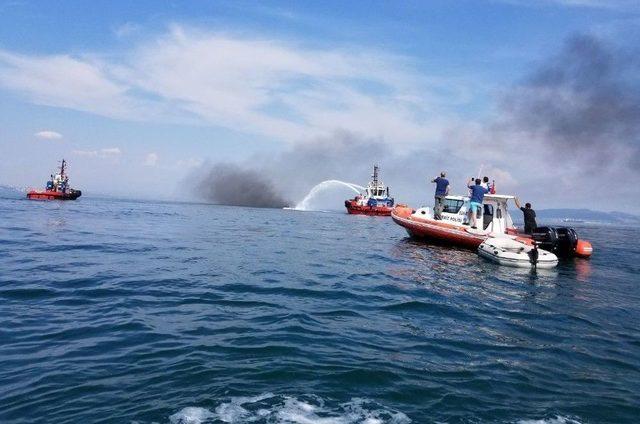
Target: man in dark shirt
529, 216
442, 189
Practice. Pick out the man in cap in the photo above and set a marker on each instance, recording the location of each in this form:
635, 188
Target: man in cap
442, 190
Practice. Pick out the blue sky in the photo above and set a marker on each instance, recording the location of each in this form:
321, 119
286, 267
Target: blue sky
150, 90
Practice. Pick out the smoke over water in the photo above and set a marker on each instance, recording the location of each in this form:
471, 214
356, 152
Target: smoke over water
582, 104
228, 184
576, 113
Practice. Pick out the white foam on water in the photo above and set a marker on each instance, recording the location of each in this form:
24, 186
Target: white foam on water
230, 413
269, 408
557, 420
191, 415
233, 412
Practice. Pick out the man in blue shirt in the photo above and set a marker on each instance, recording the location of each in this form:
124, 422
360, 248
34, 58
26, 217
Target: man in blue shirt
442, 189
477, 197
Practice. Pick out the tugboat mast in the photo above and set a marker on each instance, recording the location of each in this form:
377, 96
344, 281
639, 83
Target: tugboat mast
375, 199
375, 176
57, 188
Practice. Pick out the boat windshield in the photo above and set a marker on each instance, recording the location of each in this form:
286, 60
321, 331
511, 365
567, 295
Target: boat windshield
452, 205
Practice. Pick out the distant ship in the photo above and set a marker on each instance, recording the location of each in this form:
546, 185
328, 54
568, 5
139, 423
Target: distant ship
375, 200
57, 188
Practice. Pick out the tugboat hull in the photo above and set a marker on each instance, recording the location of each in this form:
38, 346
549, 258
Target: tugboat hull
354, 209
53, 195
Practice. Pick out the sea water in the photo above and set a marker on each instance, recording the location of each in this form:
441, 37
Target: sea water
117, 311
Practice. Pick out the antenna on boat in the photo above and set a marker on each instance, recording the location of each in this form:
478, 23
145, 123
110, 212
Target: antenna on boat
62, 168
480, 170
375, 175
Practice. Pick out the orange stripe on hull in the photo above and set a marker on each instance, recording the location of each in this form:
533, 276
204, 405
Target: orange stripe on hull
440, 232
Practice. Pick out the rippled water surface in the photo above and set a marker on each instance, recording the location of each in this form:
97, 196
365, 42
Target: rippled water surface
118, 311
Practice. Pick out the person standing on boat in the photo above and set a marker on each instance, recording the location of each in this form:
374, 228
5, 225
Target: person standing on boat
529, 216
486, 184
477, 197
442, 190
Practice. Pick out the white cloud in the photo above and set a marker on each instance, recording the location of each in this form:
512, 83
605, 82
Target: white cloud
103, 153
189, 163
85, 153
503, 177
73, 83
255, 85
111, 151
48, 135
151, 159
621, 5
126, 29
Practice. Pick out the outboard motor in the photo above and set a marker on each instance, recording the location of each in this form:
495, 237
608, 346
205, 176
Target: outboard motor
533, 255
546, 238
567, 241
562, 241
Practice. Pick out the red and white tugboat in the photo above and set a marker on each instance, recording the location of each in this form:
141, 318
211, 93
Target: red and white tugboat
374, 201
57, 188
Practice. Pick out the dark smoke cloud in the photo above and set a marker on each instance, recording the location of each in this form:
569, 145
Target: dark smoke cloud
229, 184
343, 156
583, 103
350, 157
580, 107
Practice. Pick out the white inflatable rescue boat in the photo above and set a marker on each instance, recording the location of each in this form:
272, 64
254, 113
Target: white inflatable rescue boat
511, 252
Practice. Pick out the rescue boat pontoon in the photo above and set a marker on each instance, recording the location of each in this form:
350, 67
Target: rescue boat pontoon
511, 252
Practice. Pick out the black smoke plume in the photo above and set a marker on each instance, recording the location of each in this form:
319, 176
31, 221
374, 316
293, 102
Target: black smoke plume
228, 184
291, 174
583, 103
576, 111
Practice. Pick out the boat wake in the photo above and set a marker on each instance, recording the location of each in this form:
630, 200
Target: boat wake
556, 420
270, 408
305, 204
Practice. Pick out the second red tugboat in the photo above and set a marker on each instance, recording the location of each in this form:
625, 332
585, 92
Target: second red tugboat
374, 201
57, 188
